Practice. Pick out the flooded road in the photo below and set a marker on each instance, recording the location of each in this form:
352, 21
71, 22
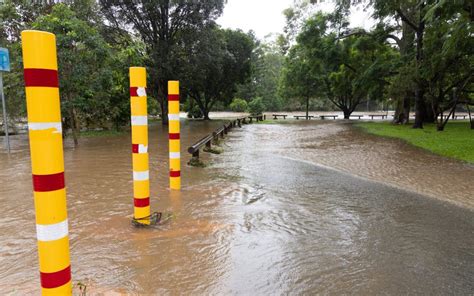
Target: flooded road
264, 218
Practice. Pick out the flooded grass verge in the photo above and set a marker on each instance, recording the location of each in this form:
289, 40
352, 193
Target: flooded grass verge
100, 133
456, 141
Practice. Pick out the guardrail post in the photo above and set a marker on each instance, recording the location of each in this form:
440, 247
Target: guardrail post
174, 135
139, 122
47, 160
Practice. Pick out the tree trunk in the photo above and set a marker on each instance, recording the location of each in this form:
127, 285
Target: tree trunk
347, 113
74, 126
307, 108
420, 108
470, 117
402, 112
163, 105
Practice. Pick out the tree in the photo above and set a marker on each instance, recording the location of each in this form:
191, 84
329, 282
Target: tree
266, 68
82, 53
216, 64
449, 62
15, 16
412, 17
163, 25
299, 81
344, 69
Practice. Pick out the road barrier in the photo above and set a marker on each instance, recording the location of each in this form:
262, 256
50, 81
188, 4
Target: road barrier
174, 135
47, 160
206, 142
139, 121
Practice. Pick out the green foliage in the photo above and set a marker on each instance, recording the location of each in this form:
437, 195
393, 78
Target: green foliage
256, 106
195, 112
82, 52
216, 64
456, 142
170, 31
343, 70
239, 105
267, 63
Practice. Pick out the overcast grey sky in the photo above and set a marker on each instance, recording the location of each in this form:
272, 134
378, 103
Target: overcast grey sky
265, 16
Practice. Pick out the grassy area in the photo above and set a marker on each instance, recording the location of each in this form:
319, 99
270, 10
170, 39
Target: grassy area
100, 133
456, 141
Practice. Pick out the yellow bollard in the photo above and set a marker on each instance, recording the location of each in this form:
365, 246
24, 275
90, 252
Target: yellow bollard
47, 160
174, 137
139, 113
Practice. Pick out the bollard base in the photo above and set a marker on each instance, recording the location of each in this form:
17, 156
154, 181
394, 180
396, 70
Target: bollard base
213, 150
155, 219
196, 162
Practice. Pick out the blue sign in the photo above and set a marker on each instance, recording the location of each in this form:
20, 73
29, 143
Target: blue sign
4, 60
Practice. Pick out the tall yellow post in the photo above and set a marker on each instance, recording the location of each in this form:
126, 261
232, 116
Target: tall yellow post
47, 161
141, 182
174, 135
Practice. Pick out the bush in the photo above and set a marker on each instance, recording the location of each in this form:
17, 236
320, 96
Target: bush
195, 112
256, 106
238, 105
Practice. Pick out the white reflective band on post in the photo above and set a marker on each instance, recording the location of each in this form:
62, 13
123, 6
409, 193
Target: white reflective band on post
139, 120
41, 126
175, 155
142, 148
141, 176
173, 116
51, 232
141, 92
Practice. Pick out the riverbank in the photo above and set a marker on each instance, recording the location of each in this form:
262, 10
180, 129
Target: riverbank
456, 141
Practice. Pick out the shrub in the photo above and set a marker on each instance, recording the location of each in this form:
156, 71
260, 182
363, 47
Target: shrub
194, 112
238, 105
256, 106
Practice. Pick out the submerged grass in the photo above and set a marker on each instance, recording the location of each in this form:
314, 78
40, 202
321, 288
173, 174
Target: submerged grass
101, 133
456, 141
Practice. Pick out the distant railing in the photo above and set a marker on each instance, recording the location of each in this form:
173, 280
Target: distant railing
219, 133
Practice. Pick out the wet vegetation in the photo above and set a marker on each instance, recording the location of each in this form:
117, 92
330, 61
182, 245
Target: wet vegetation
416, 58
457, 142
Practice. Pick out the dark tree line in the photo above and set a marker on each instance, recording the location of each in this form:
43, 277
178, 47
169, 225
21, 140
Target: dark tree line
420, 54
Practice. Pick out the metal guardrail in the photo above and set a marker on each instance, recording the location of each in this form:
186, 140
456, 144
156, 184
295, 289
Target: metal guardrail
220, 132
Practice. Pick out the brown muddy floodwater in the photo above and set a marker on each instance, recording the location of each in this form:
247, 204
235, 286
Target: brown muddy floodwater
296, 209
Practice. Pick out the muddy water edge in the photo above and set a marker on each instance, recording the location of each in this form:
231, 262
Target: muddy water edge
297, 208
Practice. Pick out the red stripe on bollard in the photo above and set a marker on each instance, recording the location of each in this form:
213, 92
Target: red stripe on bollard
133, 91
55, 279
45, 183
174, 136
41, 78
134, 148
173, 97
175, 173
141, 202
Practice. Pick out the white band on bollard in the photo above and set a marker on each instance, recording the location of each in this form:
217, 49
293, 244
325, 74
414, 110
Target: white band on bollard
175, 155
41, 126
141, 176
51, 232
139, 120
